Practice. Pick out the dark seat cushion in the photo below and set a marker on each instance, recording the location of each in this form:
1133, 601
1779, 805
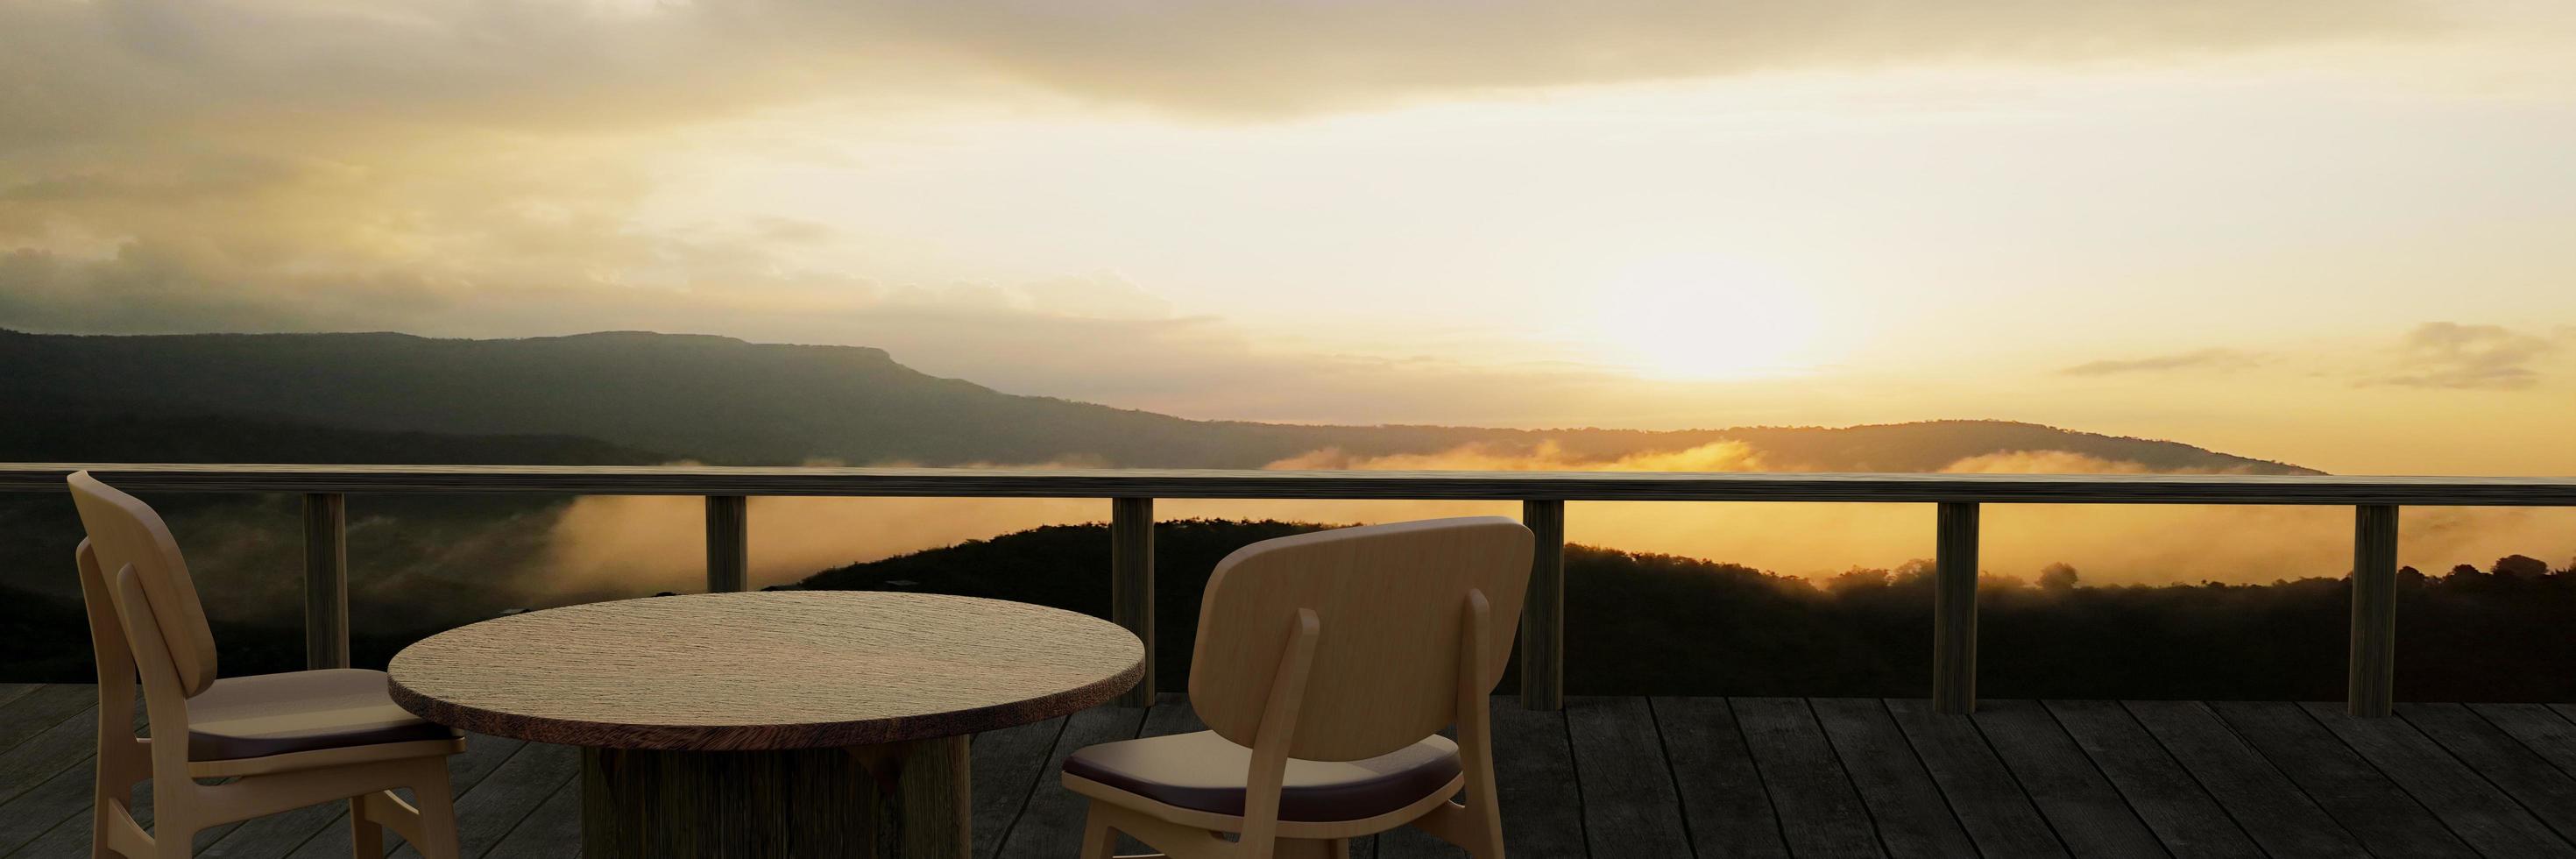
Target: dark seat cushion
1205, 772
273, 714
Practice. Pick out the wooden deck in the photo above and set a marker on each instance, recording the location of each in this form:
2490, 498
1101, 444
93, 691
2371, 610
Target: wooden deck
1639, 777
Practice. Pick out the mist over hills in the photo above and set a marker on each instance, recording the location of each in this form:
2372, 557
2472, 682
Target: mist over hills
721, 400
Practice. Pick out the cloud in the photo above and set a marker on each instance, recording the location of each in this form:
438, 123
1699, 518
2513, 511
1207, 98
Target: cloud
2205, 359
2472, 357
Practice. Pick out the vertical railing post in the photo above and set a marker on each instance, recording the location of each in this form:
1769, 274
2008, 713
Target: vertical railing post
1954, 610
1131, 584
1543, 609
2371, 681
728, 543
326, 580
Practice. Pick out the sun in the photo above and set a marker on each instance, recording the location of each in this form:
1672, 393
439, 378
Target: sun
1704, 317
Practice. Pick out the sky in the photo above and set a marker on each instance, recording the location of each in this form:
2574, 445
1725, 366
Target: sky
2330, 232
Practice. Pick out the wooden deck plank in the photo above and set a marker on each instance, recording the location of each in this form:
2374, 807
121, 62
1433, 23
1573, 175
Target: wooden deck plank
483, 756
2174, 805
1820, 814
505, 798
43, 708
62, 800
2089, 815
66, 742
2543, 790
553, 831
1629, 807
2476, 811
2539, 728
1912, 816
2364, 802
1005, 768
2273, 811
1989, 802
1534, 773
1724, 804
1051, 823
14, 691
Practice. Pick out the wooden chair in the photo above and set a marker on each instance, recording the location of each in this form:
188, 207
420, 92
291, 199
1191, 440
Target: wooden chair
281, 741
1325, 666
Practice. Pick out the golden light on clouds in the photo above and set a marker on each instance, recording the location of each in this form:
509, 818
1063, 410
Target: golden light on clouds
2241, 217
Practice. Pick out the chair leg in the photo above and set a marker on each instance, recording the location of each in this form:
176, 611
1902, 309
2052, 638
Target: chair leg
437, 803
1098, 840
366, 836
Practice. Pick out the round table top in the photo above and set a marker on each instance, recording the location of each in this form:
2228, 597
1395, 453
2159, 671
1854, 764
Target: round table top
765, 670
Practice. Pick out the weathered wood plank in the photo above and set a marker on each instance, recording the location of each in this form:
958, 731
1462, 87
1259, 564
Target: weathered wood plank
1820, 814
728, 544
2542, 789
326, 580
2475, 810
487, 813
42, 708
1534, 777
62, 800
1131, 584
2087, 812
2539, 728
1912, 817
14, 691
2175, 807
1954, 609
483, 755
2370, 684
1629, 807
66, 742
1724, 804
1248, 483
552, 831
1009, 764
1051, 823
2271, 810
1989, 802
2382, 817
1542, 638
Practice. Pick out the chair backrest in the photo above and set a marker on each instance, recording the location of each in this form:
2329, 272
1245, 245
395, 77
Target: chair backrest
1390, 601
124, 531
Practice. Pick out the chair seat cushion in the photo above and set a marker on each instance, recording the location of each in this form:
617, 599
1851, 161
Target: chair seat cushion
1205, 772
274, 714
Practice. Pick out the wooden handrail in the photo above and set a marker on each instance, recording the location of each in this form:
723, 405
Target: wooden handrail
1409, 485
2370, 685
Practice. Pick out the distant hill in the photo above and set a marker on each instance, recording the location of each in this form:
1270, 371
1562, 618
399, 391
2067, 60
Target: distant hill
1660, 624
724, 400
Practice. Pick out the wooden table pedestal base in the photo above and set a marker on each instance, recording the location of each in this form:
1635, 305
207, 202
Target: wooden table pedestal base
905, 800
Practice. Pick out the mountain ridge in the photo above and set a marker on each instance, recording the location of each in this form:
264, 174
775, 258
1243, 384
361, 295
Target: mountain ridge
726, 400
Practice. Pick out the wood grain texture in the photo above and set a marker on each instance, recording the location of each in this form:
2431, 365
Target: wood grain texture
1543, 611
1723, 803
1913, 819
1131, 584
2273, 811
1630, 807
2370, 680
2467, 802
2087, 812
2541, 788
1387, 599
765, 670
326, 580
728, 543
1819, 812
2172, 804
904, 799
2360, 798
1990, 803
1245, 483
1954, 610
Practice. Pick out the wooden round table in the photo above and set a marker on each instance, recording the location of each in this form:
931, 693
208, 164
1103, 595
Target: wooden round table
804, 723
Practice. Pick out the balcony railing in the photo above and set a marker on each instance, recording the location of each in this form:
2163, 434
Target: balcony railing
2375, 500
